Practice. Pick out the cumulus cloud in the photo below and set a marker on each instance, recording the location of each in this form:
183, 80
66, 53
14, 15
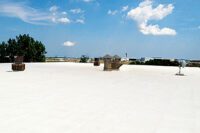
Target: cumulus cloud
76, 11
64, 20
64, 13
90, 1
69, 43
112, 12
124, 8
145, 12
53, 19
80, 21
53, 8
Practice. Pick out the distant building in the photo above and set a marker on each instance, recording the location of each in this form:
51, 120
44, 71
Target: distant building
124, 59
132, 59
195, 61
144, 59
159, 58
171, 60
187, 61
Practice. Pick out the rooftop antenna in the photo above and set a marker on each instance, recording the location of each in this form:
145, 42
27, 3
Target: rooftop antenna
182, 64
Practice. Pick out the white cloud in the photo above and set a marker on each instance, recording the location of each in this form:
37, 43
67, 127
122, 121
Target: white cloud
64, 13
64, 20
53, 8
69, 43
54, 14
53, 20
112, 12
95, 2
199, 27
24, 12
30, 15
124, 8
76, 11
87, 0
144, 13
80, 21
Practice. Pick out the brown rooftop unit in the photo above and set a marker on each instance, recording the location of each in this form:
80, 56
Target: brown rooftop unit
107, 63
116, 63
116, 58
96, 61
112, 63
18, 63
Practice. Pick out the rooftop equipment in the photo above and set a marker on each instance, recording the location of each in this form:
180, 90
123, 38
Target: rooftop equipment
18, 63
107, 62
116, 62
112, 63
182, 64
96, 61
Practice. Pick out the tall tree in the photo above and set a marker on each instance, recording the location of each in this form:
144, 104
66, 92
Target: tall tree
12, 48
3, 52
23, 45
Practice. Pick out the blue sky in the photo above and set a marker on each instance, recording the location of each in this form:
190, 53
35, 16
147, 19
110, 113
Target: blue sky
142, 28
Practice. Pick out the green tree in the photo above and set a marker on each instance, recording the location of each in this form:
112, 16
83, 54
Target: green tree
24, 45
40, 51
162, 62
84, 59
12, 48
3, 52
136, 63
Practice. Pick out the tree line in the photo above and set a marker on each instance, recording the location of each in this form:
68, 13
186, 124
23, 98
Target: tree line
157, 62
22, 45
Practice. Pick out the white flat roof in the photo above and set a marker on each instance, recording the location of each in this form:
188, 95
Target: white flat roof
80, 98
